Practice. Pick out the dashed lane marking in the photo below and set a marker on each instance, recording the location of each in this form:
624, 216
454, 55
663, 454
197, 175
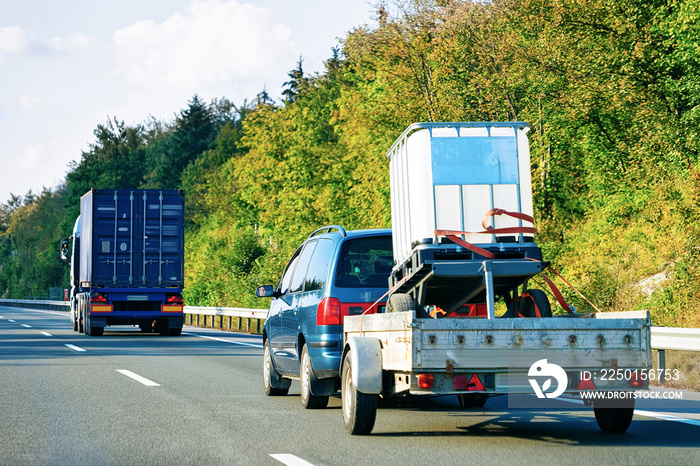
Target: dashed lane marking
254, 345
138, 378
75, 348
290, 460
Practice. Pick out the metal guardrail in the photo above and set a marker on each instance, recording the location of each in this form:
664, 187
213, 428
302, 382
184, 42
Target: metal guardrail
203, 311
662, 338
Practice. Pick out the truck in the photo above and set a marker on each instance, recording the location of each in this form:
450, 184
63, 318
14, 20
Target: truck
127, 261
463, 244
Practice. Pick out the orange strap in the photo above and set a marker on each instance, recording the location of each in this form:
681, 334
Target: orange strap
557, 294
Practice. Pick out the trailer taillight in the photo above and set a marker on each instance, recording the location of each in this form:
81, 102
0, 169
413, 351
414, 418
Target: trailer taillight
328, 312
98, 298
426, 381
636, 381
174, 299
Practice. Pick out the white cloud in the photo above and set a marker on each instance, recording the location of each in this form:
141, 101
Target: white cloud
75, 42
30, 103
13, 39
215, 42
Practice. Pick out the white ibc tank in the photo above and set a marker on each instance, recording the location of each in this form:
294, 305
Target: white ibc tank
447, 176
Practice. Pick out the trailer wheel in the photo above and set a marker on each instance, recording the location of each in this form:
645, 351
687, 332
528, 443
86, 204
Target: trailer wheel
472, 400
273, 384
613, 416
400, 302
359, 409
308, 399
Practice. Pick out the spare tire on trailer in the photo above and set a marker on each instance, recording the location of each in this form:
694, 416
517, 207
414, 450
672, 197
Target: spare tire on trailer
400, 302
537, 298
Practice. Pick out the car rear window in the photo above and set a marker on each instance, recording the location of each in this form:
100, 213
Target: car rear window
365, 263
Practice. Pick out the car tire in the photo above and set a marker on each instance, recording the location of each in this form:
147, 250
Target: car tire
359, 409
308, 399
273, 383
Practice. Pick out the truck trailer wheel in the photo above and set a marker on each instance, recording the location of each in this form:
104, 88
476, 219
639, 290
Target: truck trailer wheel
614, 416
359, 409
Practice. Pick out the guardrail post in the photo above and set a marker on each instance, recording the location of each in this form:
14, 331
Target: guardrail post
662, 360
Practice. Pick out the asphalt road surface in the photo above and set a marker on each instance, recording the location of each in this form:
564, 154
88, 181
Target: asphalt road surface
132, 399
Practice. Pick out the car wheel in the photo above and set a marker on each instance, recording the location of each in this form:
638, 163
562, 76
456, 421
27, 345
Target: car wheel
273, 384
308, 399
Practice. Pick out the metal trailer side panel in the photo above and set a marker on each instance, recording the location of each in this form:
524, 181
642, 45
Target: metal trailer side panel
410, 344
132, 238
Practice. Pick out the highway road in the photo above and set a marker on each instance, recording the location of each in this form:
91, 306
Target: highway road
127, 399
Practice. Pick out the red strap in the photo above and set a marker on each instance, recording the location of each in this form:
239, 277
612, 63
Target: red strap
465, 244
496, 211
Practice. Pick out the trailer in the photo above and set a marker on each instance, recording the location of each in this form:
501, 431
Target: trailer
127, 261
463, 239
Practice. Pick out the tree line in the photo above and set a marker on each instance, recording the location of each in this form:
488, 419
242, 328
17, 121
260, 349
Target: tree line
610, 89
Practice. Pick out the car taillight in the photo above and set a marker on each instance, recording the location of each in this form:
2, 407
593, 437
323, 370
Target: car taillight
328, 312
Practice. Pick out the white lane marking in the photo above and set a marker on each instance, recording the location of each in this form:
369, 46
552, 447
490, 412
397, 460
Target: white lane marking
254, 345
25, 325
642, 412
138, 378
667, 417
290, 460
47, 334
73, 347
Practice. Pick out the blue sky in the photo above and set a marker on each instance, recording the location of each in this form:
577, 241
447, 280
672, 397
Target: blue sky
67, 66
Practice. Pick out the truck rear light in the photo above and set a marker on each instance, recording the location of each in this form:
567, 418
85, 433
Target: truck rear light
425, 381
98, 298
328, 312
174, 299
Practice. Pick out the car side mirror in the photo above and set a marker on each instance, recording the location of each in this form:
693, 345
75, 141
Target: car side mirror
266, 291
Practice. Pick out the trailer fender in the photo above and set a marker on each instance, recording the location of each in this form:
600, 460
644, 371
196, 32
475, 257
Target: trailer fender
366, 354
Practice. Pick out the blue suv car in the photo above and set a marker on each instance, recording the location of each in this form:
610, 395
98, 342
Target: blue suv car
334, 273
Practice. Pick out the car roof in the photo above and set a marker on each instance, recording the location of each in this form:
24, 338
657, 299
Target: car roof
355, 233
